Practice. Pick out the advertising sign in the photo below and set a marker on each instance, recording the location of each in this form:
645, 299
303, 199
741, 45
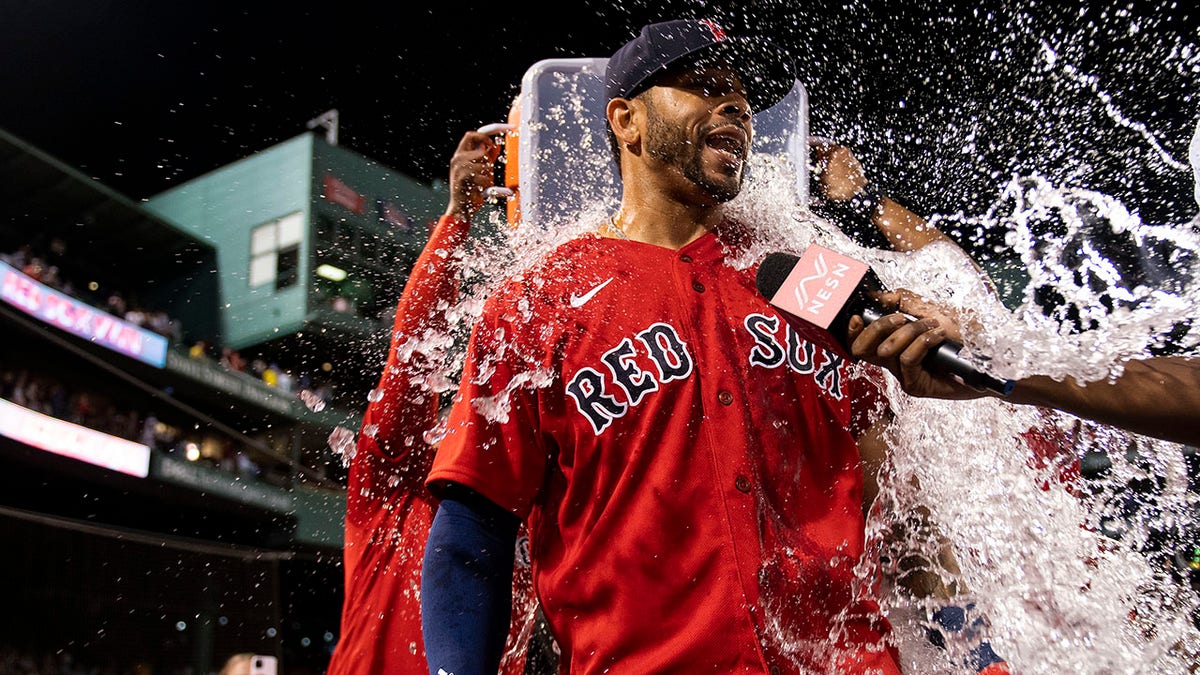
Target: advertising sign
71, 440
79, 318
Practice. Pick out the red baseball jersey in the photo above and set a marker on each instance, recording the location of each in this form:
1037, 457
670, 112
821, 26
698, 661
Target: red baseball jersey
685, 457
388, 508
1054, 451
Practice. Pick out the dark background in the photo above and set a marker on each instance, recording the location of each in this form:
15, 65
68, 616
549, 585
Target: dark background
943, 101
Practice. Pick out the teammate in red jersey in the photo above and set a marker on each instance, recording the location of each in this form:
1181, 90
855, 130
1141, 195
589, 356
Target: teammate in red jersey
685, 458
388, 509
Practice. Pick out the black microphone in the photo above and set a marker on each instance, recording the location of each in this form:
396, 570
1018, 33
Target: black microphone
826, 288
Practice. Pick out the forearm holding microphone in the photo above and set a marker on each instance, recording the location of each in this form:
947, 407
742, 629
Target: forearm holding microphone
1157, 397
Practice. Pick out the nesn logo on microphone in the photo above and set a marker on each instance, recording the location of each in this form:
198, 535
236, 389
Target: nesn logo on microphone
819, 285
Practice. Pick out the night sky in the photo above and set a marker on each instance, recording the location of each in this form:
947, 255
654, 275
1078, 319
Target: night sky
943, 103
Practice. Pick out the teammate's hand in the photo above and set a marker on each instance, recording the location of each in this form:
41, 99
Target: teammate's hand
472, 170
900, 344
839, 174
904, 300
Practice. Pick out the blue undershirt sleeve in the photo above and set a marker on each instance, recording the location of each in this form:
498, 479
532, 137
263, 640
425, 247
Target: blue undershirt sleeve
466, 584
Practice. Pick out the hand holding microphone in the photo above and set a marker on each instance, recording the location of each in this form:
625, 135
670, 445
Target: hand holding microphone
838, 293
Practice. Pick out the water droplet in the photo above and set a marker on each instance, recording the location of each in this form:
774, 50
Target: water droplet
436, 434
342, 442
311, 400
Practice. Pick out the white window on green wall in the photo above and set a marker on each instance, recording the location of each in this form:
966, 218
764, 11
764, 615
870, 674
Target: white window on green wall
275, 251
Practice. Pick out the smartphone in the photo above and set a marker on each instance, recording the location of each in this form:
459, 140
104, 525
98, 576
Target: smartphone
264, 665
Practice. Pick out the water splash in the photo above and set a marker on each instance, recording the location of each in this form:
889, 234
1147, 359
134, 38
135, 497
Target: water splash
312, 400
1091, 83
1036, 554
1058, 589
343, 443
1073, 572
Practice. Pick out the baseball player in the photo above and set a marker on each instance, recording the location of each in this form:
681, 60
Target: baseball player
684, 457
388, 509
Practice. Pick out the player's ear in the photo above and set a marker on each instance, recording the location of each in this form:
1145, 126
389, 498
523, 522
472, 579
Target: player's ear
624, 118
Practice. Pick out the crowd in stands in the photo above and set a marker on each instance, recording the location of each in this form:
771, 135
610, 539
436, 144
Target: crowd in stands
88, 409
46, 265
97, 411
14, 661
269, 372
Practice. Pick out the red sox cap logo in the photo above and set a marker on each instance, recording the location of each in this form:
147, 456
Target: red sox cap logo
717, 31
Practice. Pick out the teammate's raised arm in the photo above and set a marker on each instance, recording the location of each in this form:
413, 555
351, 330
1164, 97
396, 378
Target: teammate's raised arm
858, 205
388, 508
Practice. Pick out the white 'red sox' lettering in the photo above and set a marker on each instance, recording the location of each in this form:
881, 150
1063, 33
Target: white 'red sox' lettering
591, 389
604, 394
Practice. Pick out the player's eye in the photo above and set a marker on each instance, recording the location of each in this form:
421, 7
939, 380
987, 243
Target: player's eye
715, 87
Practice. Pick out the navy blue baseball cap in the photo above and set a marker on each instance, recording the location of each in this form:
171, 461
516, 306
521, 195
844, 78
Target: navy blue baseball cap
766, 71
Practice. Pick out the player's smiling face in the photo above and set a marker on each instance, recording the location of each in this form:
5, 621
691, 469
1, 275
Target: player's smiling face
698, 121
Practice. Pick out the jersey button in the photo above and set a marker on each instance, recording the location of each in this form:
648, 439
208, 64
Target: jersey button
697, 286
742, 484
774, 670
725, 397
685, 258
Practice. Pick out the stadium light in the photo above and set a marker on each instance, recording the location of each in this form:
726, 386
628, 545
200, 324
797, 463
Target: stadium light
331, 273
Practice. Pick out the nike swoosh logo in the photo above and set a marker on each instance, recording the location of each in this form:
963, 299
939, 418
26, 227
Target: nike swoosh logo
580, 300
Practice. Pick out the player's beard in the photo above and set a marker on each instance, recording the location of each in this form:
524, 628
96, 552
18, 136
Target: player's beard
667, 143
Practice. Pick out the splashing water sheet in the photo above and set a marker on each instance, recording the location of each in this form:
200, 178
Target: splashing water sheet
1074, 573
